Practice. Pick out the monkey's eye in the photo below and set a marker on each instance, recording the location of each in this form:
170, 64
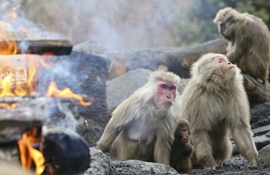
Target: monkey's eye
172, 88
164, 86
184, 129
219, 60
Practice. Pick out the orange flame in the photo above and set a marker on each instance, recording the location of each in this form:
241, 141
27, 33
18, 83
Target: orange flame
6, 84
8, 47
29, 154
9, 106
9, 84
12, 14
44, 59
53, 91
33, 64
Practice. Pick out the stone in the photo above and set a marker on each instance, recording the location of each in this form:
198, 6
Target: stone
120, 88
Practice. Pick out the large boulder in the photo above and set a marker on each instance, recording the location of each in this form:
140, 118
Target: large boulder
120, 88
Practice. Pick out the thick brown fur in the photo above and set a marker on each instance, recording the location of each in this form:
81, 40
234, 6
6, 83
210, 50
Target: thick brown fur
181, 150
216, 105
138, 115
249, 42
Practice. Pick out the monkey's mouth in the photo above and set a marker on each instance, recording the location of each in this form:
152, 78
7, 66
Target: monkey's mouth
231, 68
167, 104
185, 140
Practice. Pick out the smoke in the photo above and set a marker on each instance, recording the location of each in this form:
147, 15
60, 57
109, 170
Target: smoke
115, 25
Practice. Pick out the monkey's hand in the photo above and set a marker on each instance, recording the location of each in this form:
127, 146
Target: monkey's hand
188, 149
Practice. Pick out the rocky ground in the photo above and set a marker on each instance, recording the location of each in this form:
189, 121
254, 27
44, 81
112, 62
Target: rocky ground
101, 164
236, 165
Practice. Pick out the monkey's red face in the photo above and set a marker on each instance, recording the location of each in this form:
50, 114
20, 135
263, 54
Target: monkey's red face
227, 66
165, 94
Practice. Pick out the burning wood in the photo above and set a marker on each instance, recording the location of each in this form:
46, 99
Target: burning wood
20, 41
29, 154
23, 111
19, 74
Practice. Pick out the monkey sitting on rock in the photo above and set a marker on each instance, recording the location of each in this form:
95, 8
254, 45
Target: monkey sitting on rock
249, 42
143, 126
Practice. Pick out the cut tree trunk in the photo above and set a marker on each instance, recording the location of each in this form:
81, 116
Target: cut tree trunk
179, 60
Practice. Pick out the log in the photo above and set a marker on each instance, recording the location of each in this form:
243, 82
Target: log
29, 43
179, 60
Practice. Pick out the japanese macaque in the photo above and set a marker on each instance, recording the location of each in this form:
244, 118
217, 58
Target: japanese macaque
181, 149
117, 67
249, 42
216, 105
142, 127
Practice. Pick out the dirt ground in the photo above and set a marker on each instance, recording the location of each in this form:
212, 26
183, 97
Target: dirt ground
235, 166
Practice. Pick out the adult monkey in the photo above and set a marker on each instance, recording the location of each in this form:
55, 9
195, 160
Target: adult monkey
142, 127
216, 105
181, 149
249, 42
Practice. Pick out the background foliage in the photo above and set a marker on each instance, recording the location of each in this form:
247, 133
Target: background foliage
203, 12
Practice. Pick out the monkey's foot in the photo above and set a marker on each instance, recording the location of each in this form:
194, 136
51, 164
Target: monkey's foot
209, 168
220, 163
253, 163
209, 164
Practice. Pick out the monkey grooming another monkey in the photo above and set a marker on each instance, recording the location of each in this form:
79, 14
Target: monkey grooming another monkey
249, 42
216, 105
181, 149
142, 127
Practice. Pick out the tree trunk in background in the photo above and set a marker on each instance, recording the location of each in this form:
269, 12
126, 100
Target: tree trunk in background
179, 60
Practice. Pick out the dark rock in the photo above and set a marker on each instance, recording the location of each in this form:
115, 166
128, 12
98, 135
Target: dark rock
264, 156
83, 74
262, 141
236, 165
134, 167
100, 163
120, 88
260, 115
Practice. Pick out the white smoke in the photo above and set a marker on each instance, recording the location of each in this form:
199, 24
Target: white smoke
115, 25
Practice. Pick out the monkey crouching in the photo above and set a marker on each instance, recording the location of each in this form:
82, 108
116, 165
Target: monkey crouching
143, 126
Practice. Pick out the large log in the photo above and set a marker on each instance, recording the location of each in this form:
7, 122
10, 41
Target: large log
33, 43
179, 60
